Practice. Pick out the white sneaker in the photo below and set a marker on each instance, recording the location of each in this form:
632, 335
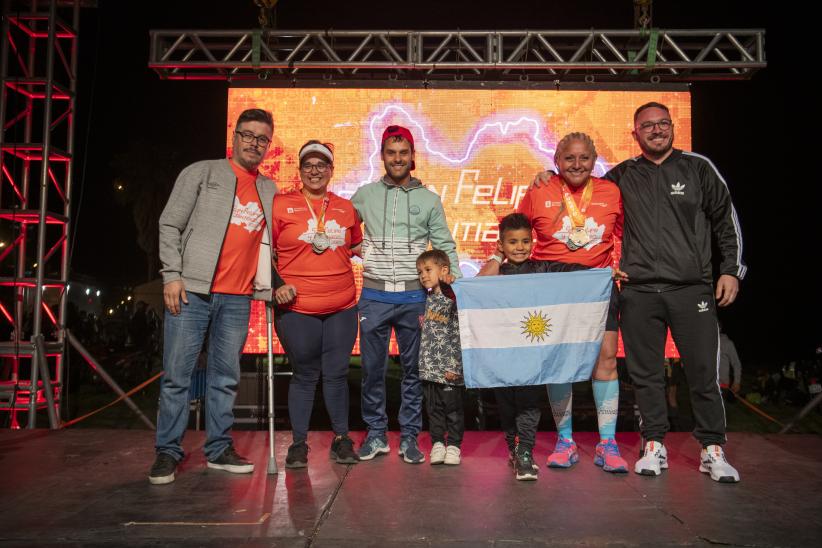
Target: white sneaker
712, 461
438, 453
653, 460
452, 455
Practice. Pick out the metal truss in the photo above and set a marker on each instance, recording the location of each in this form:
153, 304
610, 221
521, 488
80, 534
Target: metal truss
548, 55
37, 106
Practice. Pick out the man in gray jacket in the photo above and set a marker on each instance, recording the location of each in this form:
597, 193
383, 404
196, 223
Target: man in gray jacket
211, 245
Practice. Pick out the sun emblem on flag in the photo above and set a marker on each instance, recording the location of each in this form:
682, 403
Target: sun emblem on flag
536, 326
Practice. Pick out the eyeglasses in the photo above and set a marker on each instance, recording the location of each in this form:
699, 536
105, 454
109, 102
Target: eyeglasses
321, 167
647, 127
248, 138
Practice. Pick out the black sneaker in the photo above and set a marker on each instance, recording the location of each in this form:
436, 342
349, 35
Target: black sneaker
526, 469
297, 455
162, 471
230, 461
342, 451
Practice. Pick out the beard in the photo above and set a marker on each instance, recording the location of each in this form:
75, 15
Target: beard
657, 151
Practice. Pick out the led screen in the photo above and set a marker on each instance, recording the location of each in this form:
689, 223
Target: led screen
478, 149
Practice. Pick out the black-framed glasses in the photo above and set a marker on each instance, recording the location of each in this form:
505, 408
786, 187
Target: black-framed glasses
248, 138
320, 167
664, 125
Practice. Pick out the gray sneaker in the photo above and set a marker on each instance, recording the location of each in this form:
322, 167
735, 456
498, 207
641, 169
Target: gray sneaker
409, 451
373, 446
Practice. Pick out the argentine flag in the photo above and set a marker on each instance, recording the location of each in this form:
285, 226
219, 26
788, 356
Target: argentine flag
532, 329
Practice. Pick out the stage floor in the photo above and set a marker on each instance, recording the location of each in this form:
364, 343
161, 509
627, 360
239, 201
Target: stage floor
90, 487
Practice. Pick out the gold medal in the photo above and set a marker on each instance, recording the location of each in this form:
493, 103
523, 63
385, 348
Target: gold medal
577, 237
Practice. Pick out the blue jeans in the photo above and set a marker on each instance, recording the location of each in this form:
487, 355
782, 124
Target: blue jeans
225, 318
376, 321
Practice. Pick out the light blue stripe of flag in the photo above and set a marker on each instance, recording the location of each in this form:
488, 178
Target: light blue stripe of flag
573, 302
582, 286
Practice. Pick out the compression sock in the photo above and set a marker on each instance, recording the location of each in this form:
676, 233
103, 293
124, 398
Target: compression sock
606, 398
560, 397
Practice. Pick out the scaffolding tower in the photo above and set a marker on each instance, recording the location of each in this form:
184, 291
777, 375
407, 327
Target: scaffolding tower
38, 64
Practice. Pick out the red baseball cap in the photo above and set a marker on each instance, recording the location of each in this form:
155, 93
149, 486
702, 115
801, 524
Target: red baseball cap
398, 131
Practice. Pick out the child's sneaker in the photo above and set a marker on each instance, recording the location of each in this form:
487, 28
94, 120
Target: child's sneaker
712, 461
607, 456
512, 456
654, 459
565, 454
453, 455
437, 455
524, 466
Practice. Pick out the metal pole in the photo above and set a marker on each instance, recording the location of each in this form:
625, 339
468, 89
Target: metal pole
40, 354
41, 226
4, 66
801, 415
64, 259
105, 376
272, 458
21, 290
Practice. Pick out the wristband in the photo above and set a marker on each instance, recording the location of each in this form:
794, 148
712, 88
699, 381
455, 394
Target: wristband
495, 257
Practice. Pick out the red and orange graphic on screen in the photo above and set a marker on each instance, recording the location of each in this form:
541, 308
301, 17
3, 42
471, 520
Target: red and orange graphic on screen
477, 149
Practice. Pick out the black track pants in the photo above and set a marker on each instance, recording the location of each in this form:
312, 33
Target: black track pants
445, 412
690, 312
519, 413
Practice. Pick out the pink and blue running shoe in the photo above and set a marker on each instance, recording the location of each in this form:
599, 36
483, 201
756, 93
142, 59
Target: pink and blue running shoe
607, 456
565, 454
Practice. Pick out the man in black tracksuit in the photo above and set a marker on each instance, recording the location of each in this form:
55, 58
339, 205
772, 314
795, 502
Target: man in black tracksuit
674, 202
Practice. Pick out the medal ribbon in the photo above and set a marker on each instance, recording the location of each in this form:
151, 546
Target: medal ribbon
577, 214
321, 221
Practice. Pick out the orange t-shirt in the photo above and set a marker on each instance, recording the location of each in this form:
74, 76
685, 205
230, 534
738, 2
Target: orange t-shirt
603, 222
324, 282
241, 247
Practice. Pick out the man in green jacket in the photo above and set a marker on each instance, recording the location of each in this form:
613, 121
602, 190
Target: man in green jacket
401, 218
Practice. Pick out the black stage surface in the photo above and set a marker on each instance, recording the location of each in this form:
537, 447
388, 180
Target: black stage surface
90, 487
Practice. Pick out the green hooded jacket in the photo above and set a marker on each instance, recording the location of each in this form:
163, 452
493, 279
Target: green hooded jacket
400, 221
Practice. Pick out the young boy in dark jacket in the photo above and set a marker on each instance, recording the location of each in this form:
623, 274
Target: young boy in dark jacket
440, 360
519, 406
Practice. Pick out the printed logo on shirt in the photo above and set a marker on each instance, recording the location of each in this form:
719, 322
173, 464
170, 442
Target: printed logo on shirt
600, 204
248, 216
549, 203
678, 189
591, 227
703, 306
295, 209
335, 233
414, 210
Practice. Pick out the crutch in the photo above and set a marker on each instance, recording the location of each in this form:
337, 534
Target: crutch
272, 458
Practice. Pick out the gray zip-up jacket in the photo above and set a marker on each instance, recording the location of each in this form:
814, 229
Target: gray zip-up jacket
194, 222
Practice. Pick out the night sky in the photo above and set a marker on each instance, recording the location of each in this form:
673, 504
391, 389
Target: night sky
125, 110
